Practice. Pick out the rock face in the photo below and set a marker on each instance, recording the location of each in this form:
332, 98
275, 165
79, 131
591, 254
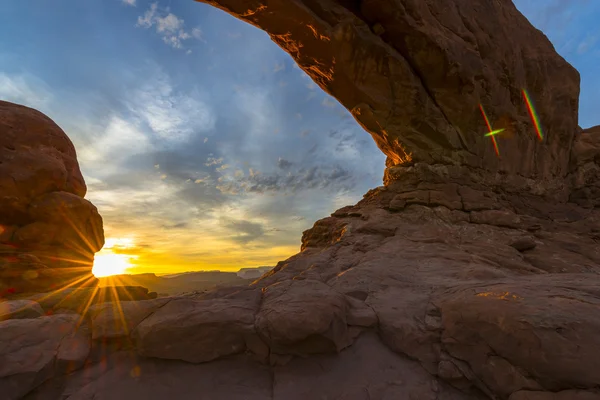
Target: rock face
48, 232
585, 169
465, 276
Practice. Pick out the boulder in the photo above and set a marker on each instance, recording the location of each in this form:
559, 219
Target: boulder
42, 210
198, 330
35, 350
20, 309
303, 317
525, 335
118, 319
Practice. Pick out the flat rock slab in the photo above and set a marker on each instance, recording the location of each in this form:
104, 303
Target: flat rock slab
367, 370
20, 309
34, 350
120, 318
198, 330
562, 395
126, 376
520, 334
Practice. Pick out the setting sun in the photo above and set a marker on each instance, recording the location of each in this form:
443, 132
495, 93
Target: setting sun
111, 260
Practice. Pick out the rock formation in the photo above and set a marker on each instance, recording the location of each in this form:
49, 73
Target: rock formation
466, 276
413, 74
48, 232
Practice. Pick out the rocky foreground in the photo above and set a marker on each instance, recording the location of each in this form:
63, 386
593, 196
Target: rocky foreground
466, 276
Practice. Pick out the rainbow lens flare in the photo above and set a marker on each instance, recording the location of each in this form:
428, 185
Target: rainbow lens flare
491, 133
533, 115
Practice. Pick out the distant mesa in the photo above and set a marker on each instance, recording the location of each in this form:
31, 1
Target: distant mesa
253, 273
186, 282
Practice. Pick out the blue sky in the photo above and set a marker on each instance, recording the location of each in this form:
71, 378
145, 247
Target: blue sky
202, 144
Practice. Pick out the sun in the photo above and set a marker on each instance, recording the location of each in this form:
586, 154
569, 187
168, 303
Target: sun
112, 259
110, 264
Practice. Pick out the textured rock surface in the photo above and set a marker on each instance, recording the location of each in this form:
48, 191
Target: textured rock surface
35, 350
198, 330
585, 168
48, 232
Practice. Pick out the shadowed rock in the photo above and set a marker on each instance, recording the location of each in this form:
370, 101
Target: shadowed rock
43, 214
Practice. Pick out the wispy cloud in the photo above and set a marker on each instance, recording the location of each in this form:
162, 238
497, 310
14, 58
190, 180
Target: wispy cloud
25, 89
129, 2
333, 178
587, 44
328, 102
171, 114
170, 27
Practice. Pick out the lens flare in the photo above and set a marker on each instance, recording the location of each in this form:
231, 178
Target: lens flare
489, 126
533, 115
492, 133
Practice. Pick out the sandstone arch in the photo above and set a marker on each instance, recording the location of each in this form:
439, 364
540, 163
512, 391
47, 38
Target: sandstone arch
480, 276
414, 72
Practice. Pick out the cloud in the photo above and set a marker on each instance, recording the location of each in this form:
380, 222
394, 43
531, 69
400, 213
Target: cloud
586, 44
244, 231
25, 89
197, 33
170, 27
332, 178
328, 102
279, 67
129, 2
171, 114
213, 161
142, 123
121, 139
283, 163
180, 225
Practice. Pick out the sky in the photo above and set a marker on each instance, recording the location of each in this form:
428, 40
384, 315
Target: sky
202, 144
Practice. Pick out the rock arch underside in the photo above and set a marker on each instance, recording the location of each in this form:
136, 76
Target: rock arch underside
466, 276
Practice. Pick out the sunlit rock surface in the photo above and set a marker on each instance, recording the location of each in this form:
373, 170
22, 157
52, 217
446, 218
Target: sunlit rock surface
48, 231
466, 276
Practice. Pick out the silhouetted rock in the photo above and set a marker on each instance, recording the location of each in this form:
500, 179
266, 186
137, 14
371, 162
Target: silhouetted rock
42, 210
